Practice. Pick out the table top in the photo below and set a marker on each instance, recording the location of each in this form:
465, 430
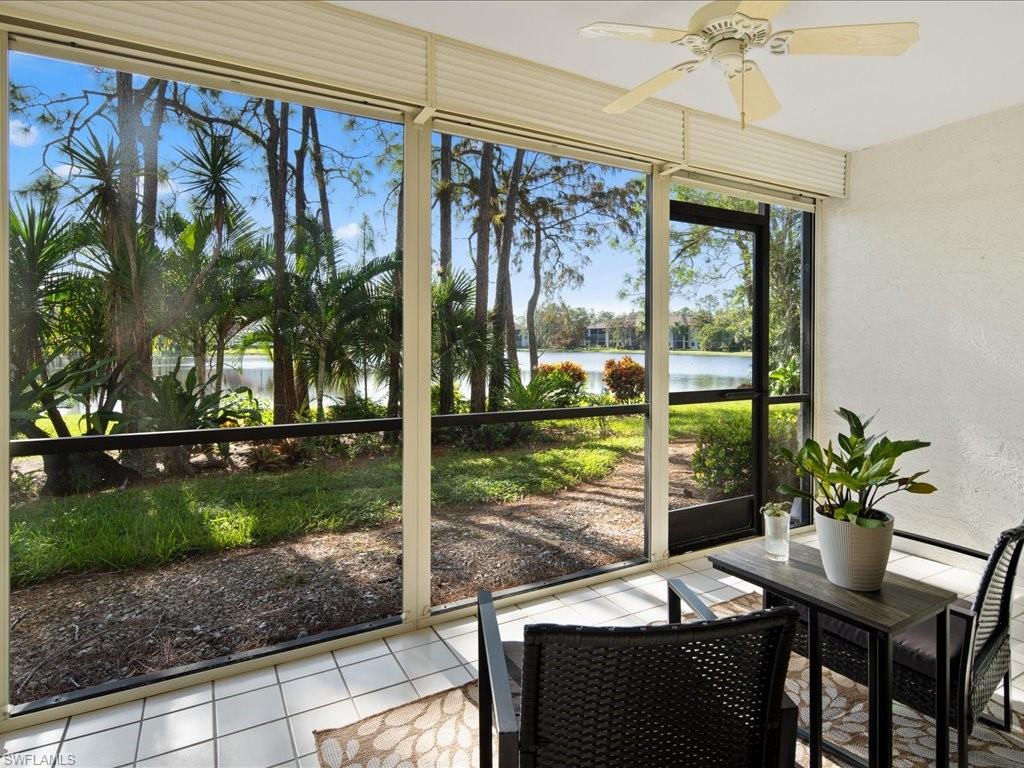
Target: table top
901, 603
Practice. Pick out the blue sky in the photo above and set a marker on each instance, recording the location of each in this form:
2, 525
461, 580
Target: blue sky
604, 267
54, 77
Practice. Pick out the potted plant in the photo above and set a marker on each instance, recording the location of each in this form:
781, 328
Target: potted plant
848, 484
776, 530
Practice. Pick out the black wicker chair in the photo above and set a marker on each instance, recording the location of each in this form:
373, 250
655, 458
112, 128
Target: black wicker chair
707, 694
979, 646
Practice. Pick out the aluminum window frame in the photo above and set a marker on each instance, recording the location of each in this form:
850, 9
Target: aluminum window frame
759, 225
415, 421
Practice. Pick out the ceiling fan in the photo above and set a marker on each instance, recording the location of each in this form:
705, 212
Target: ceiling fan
726, 30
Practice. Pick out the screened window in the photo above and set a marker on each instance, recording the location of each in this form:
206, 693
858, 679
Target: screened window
538, 305
206, 374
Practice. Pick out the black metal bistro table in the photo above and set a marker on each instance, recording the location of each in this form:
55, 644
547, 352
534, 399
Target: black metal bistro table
901, 603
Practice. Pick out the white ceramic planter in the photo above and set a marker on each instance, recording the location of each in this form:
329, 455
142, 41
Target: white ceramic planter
854, 557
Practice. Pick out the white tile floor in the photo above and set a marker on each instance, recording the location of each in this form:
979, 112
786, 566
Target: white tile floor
266, 718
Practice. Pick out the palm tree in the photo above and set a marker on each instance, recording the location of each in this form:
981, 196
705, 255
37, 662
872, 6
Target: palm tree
238, 296
459, 340
210, 169
42, 243
331, 313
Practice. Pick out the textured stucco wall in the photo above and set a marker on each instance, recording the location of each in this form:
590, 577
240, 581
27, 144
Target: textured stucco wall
920, 317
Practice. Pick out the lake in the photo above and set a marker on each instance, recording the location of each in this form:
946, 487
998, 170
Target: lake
686, 371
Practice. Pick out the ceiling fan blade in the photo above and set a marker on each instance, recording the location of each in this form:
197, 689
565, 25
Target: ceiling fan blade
632, 32
854, 40
761, 9
645, 90
753, 96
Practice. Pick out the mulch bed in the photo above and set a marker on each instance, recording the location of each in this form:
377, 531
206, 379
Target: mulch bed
82, 630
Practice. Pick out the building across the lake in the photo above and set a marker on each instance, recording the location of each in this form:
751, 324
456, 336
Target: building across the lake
621, 332
626, 332
681, 332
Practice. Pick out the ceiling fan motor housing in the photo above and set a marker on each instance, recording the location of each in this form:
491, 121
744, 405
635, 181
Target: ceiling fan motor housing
724, 34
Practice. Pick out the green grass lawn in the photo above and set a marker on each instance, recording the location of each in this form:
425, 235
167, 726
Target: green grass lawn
153, 524
157, 523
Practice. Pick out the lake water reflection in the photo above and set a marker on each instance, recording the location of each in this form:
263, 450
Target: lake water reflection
687, 372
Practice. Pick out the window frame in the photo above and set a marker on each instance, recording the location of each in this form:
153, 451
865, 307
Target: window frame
28, 447
483, 418
415, 423
681, 537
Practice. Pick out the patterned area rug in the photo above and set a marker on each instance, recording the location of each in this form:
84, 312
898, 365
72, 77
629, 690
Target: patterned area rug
440, 731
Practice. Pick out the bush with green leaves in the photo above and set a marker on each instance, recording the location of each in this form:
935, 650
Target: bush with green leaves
549, 389
785, 378
849, 483
356, 408
485, 437
625, 379
576, 373
460, 403
175, 404
722, 460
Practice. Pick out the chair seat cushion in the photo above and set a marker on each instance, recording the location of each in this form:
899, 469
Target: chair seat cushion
914, 648
514, 664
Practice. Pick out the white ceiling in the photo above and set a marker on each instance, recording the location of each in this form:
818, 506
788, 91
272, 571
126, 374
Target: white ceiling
968, 62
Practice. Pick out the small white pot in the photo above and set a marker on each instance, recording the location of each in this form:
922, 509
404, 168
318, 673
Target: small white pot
854, 557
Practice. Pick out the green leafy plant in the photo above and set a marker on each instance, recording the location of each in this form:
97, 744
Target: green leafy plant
573, 370
625, 379
192, 404
785, 378
266, 457
775, 509
550, 389
851, 481
722, 454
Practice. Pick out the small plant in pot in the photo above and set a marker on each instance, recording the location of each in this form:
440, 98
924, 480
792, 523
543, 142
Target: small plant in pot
848, 484
776, 530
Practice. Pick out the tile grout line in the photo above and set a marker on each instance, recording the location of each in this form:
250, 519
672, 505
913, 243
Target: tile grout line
63, 736
287, 722
213, 714
138, 736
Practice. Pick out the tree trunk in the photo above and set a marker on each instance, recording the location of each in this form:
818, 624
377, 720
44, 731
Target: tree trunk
478, 373
70, 473
501, 358
277, 175
317, 158
446, 374
199, 361
300, 169
222, 342
132, 336
395, 315
531, 306
151, 164
511, 345
321, 376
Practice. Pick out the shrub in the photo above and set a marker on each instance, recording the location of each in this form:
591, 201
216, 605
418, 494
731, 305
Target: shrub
782, 433
625, 379
265, 457
357, 408
566, 383
573, 370
722, 460
461, 403
485, 437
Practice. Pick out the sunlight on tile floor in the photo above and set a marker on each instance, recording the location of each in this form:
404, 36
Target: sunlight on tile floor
266, 718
